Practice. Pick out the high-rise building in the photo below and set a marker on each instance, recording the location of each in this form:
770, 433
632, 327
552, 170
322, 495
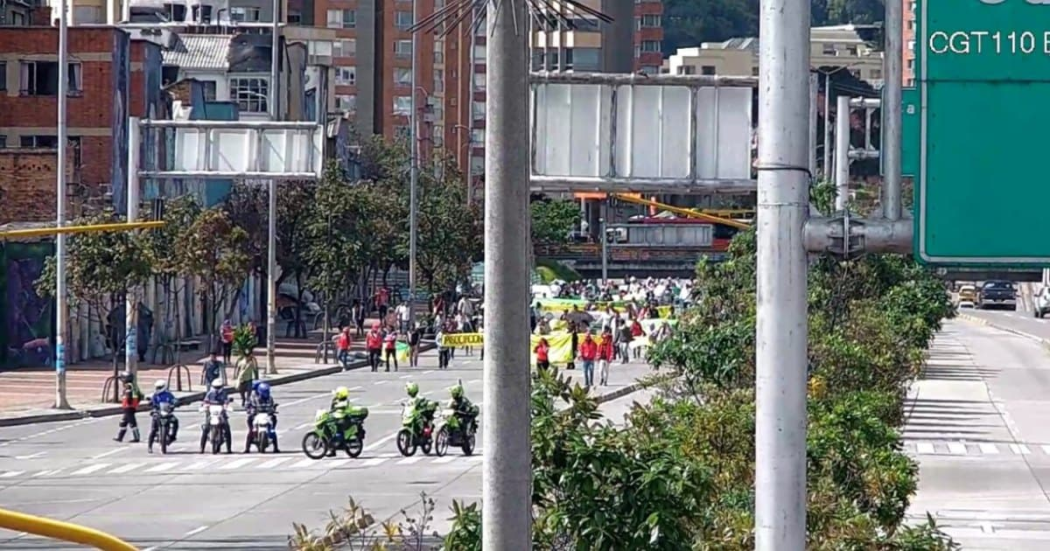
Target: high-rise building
909, 43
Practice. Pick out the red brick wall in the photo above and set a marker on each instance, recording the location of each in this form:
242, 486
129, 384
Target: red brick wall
27, 184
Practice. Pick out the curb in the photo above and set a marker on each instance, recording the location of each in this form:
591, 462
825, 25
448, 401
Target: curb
190, 398
986, 323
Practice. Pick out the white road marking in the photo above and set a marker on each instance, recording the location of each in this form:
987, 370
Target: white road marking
126, 468
956, 448
405, 376
238, 463
446, 459
11, 474
273, 463
473, 381
990, 449
924, 448
197, 530
428, 372
32, 456
337, 463
379, 383
47, 473
380, 442
163, 467
109, 453
374, 461
199, 466
410, 460
90, 469
304, 425
306, 463
1020, 449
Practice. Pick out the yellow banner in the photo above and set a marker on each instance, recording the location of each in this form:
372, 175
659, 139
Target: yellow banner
561, 347
462, 340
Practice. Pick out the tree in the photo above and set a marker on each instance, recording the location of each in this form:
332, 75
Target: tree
449, 231
100, 268
553, 220
214, 250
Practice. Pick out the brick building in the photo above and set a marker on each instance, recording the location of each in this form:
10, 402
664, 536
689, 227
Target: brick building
110, 78
909, 43
27, 184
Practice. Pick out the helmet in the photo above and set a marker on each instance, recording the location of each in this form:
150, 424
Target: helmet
217, 383
456, 391
412, 389
342, 393
160, 385
127, 376
263, 390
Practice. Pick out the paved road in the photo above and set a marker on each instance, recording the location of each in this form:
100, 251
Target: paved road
73, 471
979, 429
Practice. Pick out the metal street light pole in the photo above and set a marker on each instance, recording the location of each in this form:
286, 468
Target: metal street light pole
413, 199
827, 125
131, 306
507, 469
892, 105
271, 263
842, 120
782, 326
61, 298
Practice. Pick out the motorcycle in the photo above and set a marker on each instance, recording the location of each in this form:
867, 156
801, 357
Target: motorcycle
326, 436
451, 432
263, 434
215, 421
417, 431
163, 417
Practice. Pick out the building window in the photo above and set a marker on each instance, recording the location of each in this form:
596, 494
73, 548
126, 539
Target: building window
3, 141
40, 78
649, 21
479, 82
403, 48
251, 94
209, 87
402, 76
911, 45
708, 70
244, 14
403, 20
346, 76
687, 69
51, 142
346, 102
295, 17
18, 19
477, 136
754, 71
342, 19
650, 69
650, 46
402, 105
828, 49
439, 80
479, 110
344, 48
3, 76
175, 12
439, 135
202, 14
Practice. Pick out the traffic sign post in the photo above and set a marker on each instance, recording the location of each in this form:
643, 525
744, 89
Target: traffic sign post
984, 72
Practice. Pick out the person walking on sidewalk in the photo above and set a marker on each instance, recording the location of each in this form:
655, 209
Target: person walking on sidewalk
129, 404
542, 351
605, 356
248, 368
213, 369
226, 337
588, 353
357, 312
342, 345
390, 344
623, 342
442, 349
374, 344
414, 339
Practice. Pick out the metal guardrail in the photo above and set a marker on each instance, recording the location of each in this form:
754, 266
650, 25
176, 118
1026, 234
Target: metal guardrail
177, 371
58, 530
109, 390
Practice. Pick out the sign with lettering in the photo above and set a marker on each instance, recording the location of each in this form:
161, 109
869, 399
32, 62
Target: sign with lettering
983, 75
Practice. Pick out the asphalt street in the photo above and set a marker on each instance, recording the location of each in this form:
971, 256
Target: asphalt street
978, 426
184, 500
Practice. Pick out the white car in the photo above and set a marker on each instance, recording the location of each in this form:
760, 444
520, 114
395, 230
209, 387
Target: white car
1041, 302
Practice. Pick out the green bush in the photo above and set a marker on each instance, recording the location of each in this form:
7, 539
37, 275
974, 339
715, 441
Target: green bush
680, 473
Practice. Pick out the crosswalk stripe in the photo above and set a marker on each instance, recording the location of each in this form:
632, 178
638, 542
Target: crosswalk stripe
11, 474
374, 461
410, 460
338, 463
956, 448
273, 462
1020, 449
163, 467
306, 463
126, 468
238, 463
90, 469
924, 448
446, 459
200, 465
47, 473
990, 449
1046, 449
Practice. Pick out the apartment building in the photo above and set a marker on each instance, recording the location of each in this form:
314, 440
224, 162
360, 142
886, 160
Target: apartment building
847, 46
909, 43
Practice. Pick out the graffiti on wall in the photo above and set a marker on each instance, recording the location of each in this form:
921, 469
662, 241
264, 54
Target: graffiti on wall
26, 319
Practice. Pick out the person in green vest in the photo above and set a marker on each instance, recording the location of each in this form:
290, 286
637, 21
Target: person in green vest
248, 367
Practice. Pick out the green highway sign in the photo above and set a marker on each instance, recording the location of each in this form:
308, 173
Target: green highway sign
983, 74
910, 132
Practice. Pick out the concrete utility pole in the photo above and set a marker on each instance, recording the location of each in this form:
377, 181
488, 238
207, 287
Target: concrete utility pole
61, 293
131, 306
827, 126
892, 105
842, 161
271, 263
413, 200
507, 469
782, 326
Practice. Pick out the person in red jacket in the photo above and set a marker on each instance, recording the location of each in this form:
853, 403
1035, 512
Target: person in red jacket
342, 344
542, 351
605, 355
374, 344
588, 353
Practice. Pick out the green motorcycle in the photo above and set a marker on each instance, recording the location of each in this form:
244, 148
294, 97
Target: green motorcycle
327, 437
454, 432
417, 427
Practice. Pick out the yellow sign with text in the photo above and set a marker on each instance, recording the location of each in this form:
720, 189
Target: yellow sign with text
462, 340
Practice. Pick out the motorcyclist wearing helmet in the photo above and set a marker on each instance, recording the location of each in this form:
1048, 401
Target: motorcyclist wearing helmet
341, 404
426, 408
261, 401
161, 395
217, 396
466, 412
129, 404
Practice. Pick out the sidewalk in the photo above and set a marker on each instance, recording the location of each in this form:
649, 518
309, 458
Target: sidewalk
28, 395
